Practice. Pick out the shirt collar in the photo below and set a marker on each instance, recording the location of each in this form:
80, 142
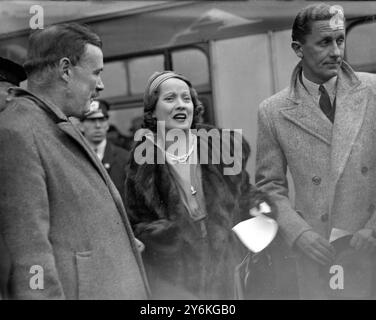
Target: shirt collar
100, 148
313, 88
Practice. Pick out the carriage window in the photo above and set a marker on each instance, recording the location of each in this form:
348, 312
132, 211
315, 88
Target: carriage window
114, 77
140, 69
361, 47
193, 64
129, 77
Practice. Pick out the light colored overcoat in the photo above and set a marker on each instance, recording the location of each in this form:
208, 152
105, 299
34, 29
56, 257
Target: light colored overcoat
60, 212
333, 166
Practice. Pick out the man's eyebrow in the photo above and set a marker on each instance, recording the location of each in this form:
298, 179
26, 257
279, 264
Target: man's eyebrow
328, 37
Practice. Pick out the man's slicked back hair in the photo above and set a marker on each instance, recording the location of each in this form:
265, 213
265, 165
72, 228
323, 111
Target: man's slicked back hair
303, 21
47, 46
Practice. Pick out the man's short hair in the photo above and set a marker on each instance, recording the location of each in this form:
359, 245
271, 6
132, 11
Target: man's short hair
47, 46
303, 20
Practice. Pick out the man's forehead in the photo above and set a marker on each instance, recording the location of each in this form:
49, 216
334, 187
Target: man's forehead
92, 49
335, 23
326, 26
92, 53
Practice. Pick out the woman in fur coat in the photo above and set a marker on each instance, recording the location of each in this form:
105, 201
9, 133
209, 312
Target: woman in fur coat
183, 197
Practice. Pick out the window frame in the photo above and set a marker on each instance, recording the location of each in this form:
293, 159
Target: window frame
133, 101
353, 23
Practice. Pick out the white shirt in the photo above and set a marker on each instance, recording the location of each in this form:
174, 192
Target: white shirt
313, 88
99, 149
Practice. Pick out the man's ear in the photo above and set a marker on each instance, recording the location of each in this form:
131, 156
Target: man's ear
65, 66
298, 49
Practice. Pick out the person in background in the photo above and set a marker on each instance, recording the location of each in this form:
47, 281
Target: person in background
94, 127
124, 141
11, 74
61, 217
182, 210
322, 127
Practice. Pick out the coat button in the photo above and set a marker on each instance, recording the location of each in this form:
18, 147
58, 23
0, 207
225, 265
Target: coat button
316, 180
324, 217
364, 170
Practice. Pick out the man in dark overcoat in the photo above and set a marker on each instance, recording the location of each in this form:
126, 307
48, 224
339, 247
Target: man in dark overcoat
61, 217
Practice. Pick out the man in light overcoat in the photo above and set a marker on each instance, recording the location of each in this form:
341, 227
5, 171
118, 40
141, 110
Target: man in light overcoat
322, 127
61, 218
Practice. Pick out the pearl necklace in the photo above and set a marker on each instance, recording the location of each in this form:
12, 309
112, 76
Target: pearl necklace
180, 159
183, 158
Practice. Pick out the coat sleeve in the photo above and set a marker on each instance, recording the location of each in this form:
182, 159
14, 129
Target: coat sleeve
271, 168
250, 195
25, 218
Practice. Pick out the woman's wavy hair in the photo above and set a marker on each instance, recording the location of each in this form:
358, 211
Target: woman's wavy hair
151, 97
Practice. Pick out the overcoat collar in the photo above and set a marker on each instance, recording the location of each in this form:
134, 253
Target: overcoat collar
55, 113
304, 113
351, 102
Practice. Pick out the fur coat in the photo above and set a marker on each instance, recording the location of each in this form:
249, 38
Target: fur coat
180, 262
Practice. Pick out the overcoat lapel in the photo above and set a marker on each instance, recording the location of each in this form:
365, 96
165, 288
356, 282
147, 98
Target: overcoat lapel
71, 131
304, 113
306, 116
66, 126
350, 113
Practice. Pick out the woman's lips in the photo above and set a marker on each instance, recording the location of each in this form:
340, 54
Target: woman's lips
180, 117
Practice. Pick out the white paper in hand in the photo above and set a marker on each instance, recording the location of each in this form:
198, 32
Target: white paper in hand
338, 233
256, 233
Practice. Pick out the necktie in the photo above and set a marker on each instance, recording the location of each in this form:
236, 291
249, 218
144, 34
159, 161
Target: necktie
325, 104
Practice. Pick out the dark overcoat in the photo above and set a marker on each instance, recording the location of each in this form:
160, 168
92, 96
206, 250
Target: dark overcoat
59, 211
115, 160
